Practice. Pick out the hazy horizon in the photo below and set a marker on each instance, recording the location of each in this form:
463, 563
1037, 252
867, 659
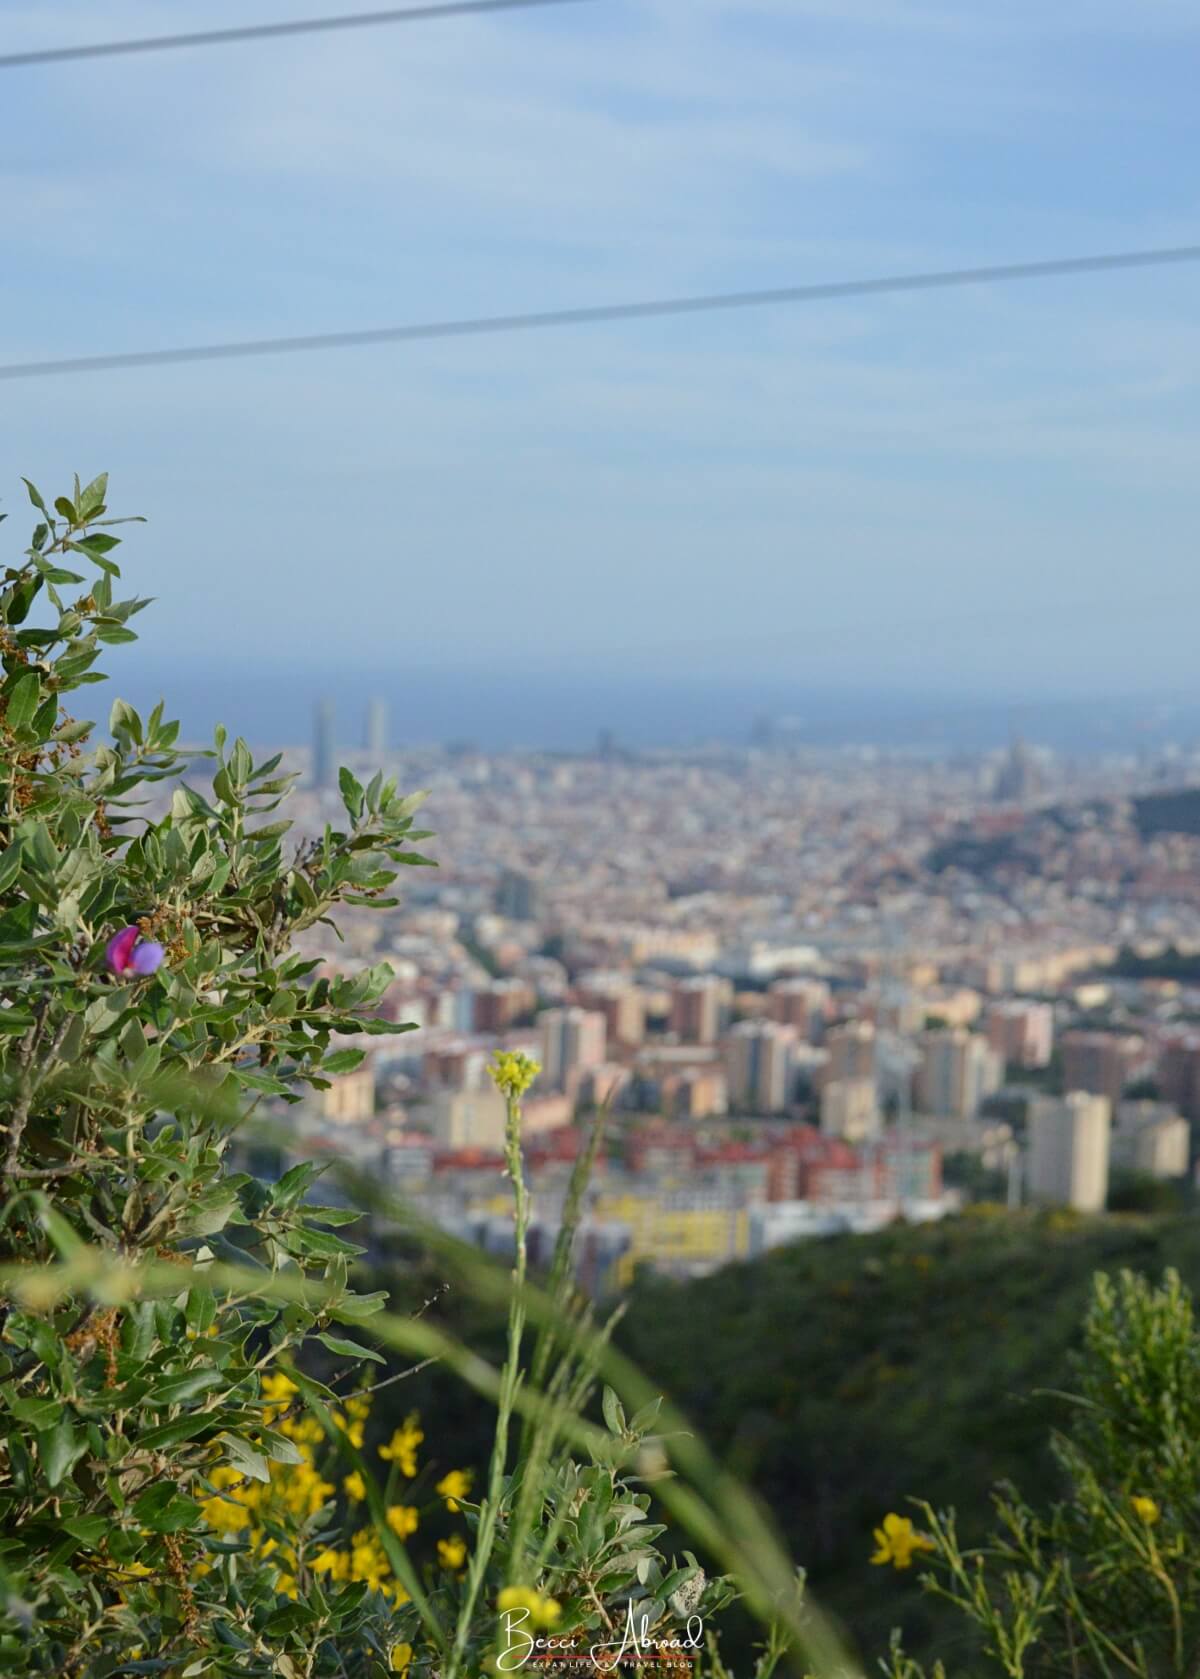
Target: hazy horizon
499, 710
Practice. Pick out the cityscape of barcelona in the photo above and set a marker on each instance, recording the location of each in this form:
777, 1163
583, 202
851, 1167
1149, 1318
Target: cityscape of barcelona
599, 840
813, 990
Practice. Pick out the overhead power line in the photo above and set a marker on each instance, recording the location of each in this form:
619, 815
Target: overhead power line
483, 325
268, 31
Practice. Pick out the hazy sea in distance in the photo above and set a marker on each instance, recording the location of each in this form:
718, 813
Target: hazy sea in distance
498, 711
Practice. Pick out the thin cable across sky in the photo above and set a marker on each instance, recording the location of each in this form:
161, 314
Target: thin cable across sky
594, 314
269, 31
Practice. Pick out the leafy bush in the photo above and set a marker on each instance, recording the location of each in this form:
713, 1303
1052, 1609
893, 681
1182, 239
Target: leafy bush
1105, 1581
179, 1493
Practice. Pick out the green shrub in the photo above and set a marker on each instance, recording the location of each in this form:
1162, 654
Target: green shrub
1105, 1581
179, 1494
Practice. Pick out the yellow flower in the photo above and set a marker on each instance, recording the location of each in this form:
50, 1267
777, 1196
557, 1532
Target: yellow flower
399, 1657
543, 1611
334, 1563
353, 1430
278, 1391
402, 1519
452, 1553
226, 1515
299, 1488
452, 1487
1146, 1509
897, 1541
356, 1487
513, 1073
302, 1431
368, 1559
402, 1447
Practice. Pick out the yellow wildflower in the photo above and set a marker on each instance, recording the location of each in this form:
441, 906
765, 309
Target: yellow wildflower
226, 1515
399, 1657
452, 1487
1146, 1509
368, 1559
543, 1611
352, 1429
402, 1519
356, 1487
452, 1553
334, 1563
278, 1391
299, 1488
402, 1447
512, 1072
897, 1541
302, 1431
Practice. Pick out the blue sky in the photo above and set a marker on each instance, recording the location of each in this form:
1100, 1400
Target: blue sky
982, 493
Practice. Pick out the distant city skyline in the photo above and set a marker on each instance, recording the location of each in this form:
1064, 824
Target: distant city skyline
498, 711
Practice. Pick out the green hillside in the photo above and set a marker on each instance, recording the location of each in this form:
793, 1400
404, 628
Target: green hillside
840, 1377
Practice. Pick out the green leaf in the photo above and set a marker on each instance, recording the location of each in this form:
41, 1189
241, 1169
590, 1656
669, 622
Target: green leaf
23, 700
279, 1448
355, 1307
163, 1509
123, 717
295, 1181
174, 1433
614, 1412
317, 1244
352, 793
35, 498
96, 544
91, 500
245, 1458
59, 1451
350, 1349
38, 1414
10, 865
87, 1529
343, 1061
176, 1389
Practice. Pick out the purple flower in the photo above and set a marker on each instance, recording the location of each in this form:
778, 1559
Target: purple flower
126, 954
147, 958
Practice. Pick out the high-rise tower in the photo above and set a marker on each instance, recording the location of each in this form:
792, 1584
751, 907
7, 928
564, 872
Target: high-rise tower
375, 739
323, 745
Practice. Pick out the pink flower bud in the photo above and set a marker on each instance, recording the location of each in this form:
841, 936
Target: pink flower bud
119, 950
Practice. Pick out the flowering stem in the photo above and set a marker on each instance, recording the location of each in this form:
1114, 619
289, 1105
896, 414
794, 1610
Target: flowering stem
510, 1377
